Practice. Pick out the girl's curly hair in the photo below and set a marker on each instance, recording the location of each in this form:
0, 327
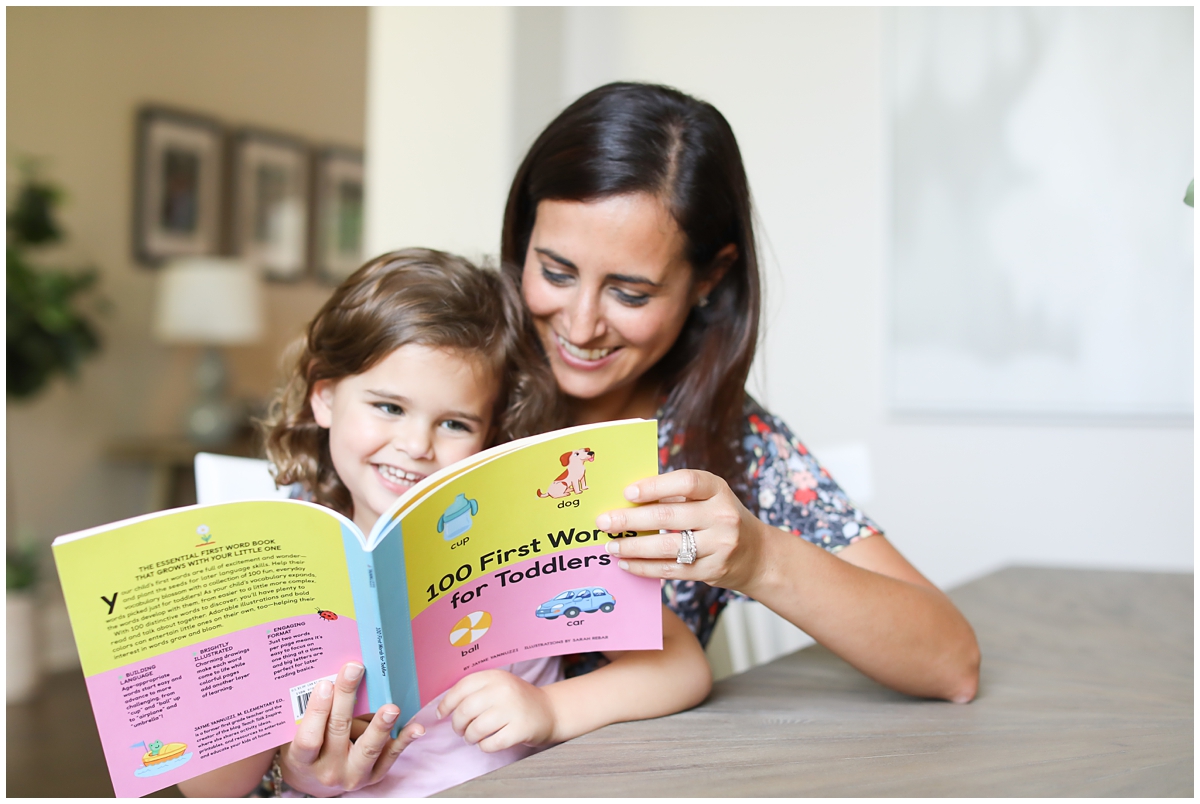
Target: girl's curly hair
417, 296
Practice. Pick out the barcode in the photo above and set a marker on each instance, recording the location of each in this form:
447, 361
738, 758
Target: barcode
301, 693
301, 703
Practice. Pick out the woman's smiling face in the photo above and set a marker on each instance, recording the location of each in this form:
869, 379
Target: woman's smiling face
609, 289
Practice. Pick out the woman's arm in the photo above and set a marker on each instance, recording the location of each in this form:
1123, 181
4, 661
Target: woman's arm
870, 606
867, 604
497, 710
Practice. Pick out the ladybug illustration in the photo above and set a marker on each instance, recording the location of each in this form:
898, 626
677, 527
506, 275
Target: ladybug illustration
328, 615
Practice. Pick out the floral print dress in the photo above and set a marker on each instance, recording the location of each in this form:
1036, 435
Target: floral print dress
785, 487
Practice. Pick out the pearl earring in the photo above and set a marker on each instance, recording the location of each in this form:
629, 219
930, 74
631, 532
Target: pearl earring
702, 301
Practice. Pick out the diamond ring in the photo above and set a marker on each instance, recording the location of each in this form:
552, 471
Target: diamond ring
687, 548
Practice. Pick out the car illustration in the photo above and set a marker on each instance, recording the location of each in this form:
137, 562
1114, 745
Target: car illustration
573, 602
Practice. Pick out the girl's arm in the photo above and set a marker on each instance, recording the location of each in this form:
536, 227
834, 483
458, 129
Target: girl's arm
497, 710
867, 604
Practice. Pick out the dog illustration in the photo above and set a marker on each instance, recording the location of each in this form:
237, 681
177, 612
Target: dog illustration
574, 480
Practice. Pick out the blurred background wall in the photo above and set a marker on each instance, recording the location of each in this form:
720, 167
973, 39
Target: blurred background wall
446, 101
806, 93
75, 79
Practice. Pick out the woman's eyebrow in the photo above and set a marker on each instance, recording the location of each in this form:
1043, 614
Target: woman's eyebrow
633, 280
628, 279
545, 252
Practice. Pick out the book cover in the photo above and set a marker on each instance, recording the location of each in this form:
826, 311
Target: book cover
202, 631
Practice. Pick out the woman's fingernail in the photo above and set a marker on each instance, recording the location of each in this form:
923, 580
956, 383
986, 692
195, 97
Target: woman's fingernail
420, 732
324, 689
603, 521
353, 671
388, 718
614, 548
623, 565
632, 493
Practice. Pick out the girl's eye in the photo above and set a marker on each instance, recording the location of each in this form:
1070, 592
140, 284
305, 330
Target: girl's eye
555, 277
390, 408
630, 299
457, 426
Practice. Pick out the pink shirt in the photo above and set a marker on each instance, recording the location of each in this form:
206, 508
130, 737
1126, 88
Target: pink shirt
441, 759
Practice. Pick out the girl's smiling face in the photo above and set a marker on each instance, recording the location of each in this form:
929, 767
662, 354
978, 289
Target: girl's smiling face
414, 412
609, 288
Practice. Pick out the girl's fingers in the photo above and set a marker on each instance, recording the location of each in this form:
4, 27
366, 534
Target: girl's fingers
358, 726
504, 738
467, 710
394, 748
371, 746
310, 734
341, 712
484, 725
459, 692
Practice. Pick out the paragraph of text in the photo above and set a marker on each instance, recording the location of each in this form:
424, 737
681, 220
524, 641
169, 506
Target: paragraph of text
147, 694
202, 591
239, 728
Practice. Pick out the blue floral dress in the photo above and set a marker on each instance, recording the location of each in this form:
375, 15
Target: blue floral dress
785, 487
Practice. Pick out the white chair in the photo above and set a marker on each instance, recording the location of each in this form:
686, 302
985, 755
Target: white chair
223, 478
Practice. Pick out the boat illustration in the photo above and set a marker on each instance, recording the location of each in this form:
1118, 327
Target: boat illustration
165, 753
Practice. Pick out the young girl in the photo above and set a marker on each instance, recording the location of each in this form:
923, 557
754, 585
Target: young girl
418, 360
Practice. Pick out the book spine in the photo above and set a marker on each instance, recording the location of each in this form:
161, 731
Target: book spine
396, 622
370, 628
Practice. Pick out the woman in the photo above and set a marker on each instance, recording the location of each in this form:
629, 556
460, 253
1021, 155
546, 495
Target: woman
629, 228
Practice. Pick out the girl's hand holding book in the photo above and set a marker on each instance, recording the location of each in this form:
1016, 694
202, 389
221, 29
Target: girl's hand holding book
323, 759
497, 710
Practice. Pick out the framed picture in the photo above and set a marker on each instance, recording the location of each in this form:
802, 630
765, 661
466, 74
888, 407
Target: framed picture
338, 217
177, 190
270, 203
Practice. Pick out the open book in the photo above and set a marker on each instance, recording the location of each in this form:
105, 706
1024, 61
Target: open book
203, 630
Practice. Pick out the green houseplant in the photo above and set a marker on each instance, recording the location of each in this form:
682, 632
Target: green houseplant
47, 333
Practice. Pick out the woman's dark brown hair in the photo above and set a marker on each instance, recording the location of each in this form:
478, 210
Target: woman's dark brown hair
641, 138
412, 296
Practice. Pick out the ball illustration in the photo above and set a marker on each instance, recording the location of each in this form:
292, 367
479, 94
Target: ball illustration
470, 628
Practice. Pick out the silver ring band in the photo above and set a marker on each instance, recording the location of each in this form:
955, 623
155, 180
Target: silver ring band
687, 548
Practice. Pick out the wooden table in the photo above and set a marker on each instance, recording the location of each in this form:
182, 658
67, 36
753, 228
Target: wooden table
1086, 690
